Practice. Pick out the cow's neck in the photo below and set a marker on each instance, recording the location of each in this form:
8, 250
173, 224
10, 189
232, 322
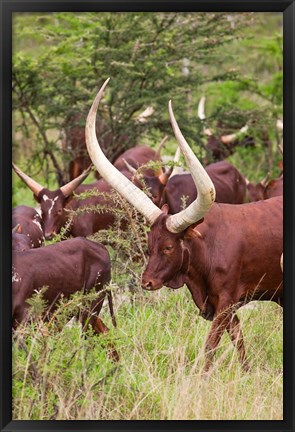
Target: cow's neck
196, 279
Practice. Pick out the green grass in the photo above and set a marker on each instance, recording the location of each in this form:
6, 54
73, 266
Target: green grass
160, 339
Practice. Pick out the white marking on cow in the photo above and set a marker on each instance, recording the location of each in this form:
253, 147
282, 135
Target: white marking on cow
97, 277
37, 222
45, 197
38, 210
52, 205
15, 276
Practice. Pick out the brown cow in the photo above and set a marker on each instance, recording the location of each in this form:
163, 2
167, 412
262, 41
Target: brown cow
52, 203
230, 187
137, 156
55, 204
222, 147
29, 224
65, 268
20, 242
226, 254
265, 188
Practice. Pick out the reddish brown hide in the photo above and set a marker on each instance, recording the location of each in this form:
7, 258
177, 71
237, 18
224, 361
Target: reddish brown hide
264, 190
20, 242
230, 258
226, 254
229, 184
136, 157
220, 150
55, 204
30, 225
65, 268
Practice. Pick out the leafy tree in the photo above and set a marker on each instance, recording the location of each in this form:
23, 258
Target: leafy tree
60, 60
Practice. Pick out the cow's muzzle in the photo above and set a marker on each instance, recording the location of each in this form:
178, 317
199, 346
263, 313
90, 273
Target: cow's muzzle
150, 284
49, 235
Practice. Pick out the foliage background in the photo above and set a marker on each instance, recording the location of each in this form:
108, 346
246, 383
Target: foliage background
60, 59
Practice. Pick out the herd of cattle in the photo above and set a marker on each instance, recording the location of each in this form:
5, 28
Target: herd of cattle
211, 230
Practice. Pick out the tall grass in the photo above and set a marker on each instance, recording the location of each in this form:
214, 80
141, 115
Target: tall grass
65, 374
61, 372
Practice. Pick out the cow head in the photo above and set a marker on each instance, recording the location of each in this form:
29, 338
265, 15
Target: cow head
155, 185
256, 192
274, 187
222, 147
169, 259
52, 203
169, 256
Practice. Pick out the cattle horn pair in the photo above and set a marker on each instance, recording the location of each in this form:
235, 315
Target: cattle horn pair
137, 198
229, 139
226, 139
36, 188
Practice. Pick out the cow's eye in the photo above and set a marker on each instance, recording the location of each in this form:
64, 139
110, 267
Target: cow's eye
59, 212
167, 249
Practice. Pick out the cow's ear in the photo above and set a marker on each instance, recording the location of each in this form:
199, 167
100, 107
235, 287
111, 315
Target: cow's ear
19, 229
68, 199
192, 232
165, 208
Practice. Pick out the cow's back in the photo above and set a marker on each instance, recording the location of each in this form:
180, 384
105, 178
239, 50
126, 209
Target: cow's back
31, 224
229, 184
230, 187
244, 244
65, 267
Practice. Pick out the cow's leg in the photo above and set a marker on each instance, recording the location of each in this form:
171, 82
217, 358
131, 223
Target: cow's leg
220, 323
234, 330
100, 327
19, 314
97, 324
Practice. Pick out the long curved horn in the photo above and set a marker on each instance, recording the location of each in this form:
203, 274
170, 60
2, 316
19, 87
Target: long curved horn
69, 188
280, 124
160, 146
115, 178
142, 117
228, 139
165, 175
129, 167
201, 108
32, 184
202, 117
206, 191
176, 169
16, 229
264, 181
